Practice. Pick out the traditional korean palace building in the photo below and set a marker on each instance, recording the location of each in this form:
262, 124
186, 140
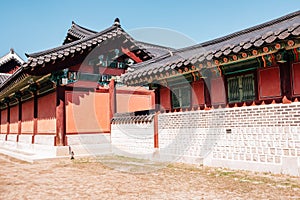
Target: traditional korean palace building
229, 102
66, 96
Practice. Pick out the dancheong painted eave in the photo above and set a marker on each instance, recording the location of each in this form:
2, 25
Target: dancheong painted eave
269, 37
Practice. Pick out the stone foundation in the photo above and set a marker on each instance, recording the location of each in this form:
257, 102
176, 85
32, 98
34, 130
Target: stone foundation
257, 138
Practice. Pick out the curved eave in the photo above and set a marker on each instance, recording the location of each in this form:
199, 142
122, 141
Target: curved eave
14, 83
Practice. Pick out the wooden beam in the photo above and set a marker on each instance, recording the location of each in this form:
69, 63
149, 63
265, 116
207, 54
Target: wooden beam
131, 55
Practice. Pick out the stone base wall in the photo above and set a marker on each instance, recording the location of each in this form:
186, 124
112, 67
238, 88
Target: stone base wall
43, 146
90, 144
258, 138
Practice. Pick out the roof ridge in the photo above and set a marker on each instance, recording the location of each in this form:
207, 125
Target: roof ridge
61, 47
78, 27
10, 55
244, 31
155, 45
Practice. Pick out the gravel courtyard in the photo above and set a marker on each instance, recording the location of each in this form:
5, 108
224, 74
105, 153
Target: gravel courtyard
114, 177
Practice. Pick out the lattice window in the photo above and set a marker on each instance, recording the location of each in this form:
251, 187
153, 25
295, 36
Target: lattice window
181, 97
241, 88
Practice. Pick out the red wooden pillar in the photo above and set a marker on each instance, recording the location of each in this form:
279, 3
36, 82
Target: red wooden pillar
156, 130
35, 114
60, 116
112, 100
0, 119
8, 120
19, 118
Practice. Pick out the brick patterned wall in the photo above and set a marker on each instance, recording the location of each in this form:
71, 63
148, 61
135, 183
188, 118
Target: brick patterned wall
262, 138
277, 115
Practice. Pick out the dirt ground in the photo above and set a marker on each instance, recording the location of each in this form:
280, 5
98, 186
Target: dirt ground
125, 178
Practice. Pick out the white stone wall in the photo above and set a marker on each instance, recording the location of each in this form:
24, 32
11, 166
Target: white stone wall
260, 138
133, 139
90, 144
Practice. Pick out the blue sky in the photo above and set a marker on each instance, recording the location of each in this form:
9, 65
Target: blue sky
32, 26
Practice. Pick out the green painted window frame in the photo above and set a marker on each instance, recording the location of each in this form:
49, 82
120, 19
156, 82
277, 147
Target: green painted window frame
241, 88
181, 97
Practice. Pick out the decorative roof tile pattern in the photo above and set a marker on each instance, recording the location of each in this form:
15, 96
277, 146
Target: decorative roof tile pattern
254, 37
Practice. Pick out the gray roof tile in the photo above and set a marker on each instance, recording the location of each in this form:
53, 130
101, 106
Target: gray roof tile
268, 32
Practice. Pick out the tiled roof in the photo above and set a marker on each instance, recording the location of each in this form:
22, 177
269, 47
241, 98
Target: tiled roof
127, 118
78, 32
254, 37
87, 40
11, 56
68, 50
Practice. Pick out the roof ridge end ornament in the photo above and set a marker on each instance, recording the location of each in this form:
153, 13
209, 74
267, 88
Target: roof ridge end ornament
12, 50
117, 22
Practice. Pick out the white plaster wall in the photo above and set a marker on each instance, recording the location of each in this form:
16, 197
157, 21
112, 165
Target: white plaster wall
134, 139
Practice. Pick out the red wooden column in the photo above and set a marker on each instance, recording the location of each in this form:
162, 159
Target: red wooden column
112, 100
35, 113
19, 118
60, 116
156, 130
8, 119
0, 120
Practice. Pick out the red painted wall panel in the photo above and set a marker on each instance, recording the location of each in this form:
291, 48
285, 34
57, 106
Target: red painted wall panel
198, 92
87, 112
269, 83
4, 121
14, 118
217, 91
130, 99
165, 98
46, 114
133, 102
296, 79
27, 117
